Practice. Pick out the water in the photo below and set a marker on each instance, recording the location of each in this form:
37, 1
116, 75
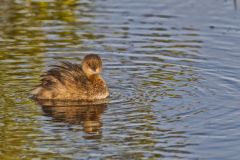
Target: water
172, 67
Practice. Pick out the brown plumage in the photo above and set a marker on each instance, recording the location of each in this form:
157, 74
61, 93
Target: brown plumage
73, 81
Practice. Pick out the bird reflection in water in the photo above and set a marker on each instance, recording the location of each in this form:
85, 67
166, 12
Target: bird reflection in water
86, 114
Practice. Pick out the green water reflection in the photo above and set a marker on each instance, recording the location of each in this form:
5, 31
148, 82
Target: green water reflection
25, 38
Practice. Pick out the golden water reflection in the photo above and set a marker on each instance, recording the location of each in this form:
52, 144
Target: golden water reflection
86, 114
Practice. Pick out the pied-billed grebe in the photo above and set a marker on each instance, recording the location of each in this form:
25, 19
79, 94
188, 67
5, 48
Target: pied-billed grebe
73, 81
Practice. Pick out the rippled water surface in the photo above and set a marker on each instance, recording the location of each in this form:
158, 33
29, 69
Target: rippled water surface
173, 68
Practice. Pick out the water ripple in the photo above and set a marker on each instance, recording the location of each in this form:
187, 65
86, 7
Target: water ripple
172, 69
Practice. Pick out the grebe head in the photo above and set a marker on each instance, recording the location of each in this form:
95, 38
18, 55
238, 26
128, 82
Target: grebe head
92, 64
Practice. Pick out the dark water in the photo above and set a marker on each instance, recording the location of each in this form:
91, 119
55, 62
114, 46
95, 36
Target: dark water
172, 67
